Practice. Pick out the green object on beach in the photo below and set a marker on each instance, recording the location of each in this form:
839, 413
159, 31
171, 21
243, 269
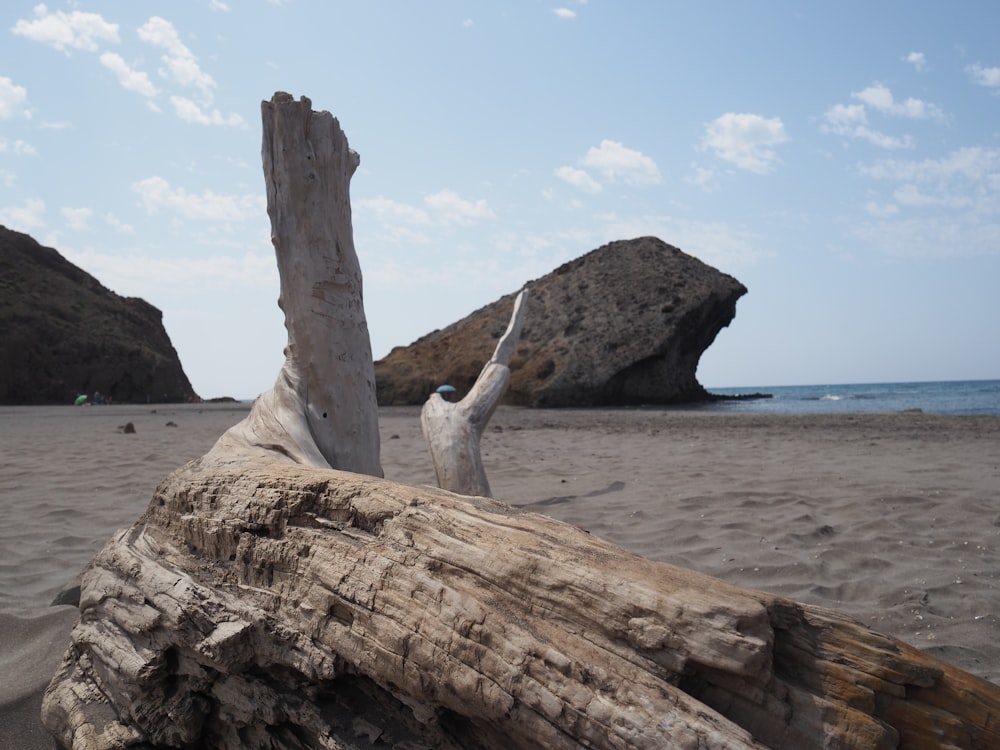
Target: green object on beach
80, 399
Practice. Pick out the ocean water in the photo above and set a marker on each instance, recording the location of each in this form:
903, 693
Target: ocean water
943, 397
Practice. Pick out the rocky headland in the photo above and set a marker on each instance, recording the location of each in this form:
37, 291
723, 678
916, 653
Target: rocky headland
62, 333
625, 324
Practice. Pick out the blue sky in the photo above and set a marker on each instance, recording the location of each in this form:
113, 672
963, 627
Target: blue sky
842, 160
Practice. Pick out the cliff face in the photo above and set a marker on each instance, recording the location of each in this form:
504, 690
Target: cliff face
62, 333
625, 324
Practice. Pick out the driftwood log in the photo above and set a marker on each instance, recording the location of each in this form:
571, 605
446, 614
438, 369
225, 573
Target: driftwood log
453, 431
266, 600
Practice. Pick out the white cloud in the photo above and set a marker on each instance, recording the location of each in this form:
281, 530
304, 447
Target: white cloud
931, 237
218, 5
17, 147
147, 276
157, 195
450, 208
579, 179
880, 98
616, 162
913, 197
881, 211
393, 211
953, 204
851, 120
883, 140
12, 97
989, 77
565, 13
117, 224
468, 23
917, 59
703, 177
66, 31
181, 64
721, 245
131, 80
25, 218
189, 111
746, 140
77, 219
974, 164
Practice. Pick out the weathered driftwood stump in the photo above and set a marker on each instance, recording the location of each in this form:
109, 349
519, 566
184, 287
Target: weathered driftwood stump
265, 600
322, 410
453, 430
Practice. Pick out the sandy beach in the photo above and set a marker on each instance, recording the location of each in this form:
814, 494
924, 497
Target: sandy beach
890, 518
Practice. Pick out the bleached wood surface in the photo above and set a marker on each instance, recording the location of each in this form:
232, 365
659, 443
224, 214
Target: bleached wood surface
322, 409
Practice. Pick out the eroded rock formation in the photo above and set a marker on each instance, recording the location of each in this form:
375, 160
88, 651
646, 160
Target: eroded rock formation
62, 334
625, 324
267, 600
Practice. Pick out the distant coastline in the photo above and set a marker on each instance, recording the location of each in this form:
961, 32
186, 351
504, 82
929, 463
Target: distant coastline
973, 397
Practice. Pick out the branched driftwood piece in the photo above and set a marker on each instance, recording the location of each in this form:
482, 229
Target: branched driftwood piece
453, 430
265, 600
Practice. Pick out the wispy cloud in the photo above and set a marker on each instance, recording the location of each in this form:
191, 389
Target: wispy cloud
941, 207
181, 68
703, 177
930, 237
17, 147
881, 210
117, 224
180, 64
851, 120
157, 195
130, 79
618, 163
404, 224
564, 13
393, 211
24, 218
578, 178
988, 77
917, 60
974, 164
746, 140
148, 276
189, 111
77, 219
450, 208
67, 31
12, 98
880, 98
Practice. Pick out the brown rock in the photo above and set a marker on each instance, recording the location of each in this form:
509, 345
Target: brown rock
623, 325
